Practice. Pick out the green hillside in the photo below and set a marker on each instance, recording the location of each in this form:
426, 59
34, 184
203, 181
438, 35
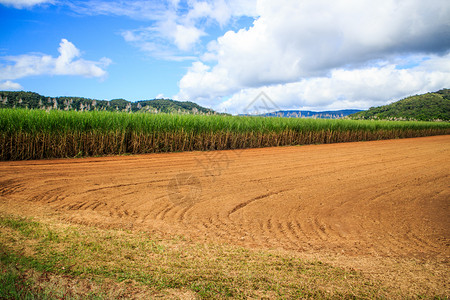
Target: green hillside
35, 101
427, 107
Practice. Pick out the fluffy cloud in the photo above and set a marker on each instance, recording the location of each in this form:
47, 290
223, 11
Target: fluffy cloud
159, 41
299, 45
176, 27
67, 63
9, 85
356, 88
24, 3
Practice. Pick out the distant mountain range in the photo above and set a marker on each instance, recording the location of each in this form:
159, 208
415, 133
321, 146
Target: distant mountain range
426, 107
330, 114
35, 101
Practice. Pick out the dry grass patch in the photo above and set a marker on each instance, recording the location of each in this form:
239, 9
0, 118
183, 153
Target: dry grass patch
50, 258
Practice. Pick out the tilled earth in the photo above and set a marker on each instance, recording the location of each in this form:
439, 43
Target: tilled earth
368, 199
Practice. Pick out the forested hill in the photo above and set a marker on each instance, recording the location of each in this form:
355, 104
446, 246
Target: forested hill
426, 107
35, 101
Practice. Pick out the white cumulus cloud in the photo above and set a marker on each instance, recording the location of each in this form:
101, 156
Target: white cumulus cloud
67, 63
9, 85
358, 88
300, 44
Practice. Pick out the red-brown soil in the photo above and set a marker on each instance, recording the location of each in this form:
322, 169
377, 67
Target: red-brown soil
381, 207
383, 198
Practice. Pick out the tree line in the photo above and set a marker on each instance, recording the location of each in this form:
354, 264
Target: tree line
33, 100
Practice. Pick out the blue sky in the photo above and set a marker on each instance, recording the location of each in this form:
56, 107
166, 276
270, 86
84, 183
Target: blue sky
132, 74
303, 54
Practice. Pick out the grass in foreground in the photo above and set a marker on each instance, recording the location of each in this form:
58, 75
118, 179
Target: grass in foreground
42, 259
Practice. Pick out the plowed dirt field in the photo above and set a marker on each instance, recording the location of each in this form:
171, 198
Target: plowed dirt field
381, 207
381, 198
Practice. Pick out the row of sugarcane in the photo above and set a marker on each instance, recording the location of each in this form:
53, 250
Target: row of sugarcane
37, 134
